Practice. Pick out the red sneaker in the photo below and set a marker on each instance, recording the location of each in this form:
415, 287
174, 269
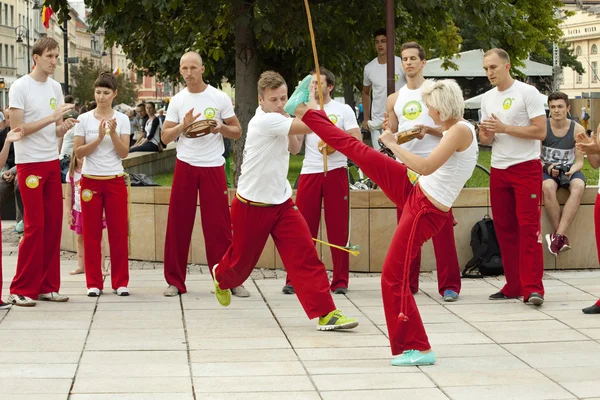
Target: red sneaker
565, 244
554, 243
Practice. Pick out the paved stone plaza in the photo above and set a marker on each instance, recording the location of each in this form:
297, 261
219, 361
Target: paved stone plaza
148, 347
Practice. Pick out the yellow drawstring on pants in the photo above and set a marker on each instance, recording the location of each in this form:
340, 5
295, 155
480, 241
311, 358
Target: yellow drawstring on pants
349, 249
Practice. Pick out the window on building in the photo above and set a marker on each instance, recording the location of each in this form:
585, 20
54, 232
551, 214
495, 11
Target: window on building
6, 63
12, 15
594, 49
578, 51
579, 78
12, 56
594, 71
6, 14
140, 77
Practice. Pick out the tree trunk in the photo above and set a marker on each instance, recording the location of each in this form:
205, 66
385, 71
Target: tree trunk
246, 77
349, 95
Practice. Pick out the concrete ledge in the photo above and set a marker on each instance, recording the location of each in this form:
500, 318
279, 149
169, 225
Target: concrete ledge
151, 163
373, 224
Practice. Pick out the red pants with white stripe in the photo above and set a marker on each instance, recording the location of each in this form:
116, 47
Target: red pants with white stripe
38, 263
446, 259
105, 198
516, 194
597, 228
251, 228
333, 188
211, 184
419, 222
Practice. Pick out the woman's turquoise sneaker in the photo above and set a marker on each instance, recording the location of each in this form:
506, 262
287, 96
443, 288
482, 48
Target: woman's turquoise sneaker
413, 358
300, 96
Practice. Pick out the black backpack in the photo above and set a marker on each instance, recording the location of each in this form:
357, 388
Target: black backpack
487, 260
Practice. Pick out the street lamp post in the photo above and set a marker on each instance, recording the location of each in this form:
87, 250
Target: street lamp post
22, 30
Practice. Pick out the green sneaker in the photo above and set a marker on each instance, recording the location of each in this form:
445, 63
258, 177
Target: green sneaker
300, 96
223, 295
413, 358
336, 320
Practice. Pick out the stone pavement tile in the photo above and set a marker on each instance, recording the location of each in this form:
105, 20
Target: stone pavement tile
134, 396
40, 340
457, 338
262, 396
136, 339
548, 391
564, 354
331, 340
132, 385
199, 343
133, 357
487, 377
211, 323
234, 331
46, 324
391, 380
128, 370
108, 324
366, 353
37, 314
226, 313
526, 314
453, 327
291, 383
165, 316
519, 325
212, 304
35, 386
429, 394
365, 328
36, 371
466, 350
44, 357
571, 374
566, 275
536, 335
47, 396
338, 367
137, 296
580, 321
485, 363
258, 368
251, 355
141, 306
593, 333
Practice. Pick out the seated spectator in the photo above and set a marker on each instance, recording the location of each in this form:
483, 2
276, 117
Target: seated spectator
151, 140
562, 168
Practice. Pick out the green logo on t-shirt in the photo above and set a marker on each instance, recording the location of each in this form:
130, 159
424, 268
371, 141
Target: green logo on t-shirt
53, 103
412, 110
507, 103
396, 78
333, 118
210, 113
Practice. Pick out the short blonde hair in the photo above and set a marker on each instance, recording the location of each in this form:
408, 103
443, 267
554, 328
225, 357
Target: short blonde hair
500, 53
269, 80
445, 96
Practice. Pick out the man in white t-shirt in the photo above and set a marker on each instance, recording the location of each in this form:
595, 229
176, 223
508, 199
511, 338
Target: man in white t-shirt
263, 207
36, 105
375, 78
406, 110
514, 123
199, 172
332, 189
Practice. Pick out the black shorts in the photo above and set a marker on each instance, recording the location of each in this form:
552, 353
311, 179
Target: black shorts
576, 175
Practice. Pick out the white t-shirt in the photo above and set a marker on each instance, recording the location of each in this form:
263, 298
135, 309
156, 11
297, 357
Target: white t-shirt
516, 106
344, 118
38, 100
148, 129
76, 190
375, 75
104, 160
446, 183
411, 110
206, 151
67, 145
266, 159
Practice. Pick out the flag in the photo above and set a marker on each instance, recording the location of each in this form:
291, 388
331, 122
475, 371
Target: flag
117, 71
46, 14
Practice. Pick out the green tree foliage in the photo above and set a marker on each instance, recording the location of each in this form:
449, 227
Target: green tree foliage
85, 74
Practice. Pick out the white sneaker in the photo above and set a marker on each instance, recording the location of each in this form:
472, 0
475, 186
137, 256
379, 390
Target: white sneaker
53, 296
94, 292
21, 301
171, 291
122, 291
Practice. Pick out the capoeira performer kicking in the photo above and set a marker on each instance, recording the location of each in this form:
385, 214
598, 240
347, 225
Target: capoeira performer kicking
263, 207
425, 205
102, 140
591, 147
316, 187
199, 171
406, 110
514, 123
37, 105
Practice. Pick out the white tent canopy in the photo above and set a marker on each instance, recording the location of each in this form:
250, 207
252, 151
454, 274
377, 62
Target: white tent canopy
470, 65
474, 103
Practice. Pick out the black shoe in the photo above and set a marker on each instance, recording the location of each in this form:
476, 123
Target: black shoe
340, 290
4, 306
594, 309
498, 296
536, 299
288, 289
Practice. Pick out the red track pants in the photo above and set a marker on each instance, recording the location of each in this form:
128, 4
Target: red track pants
38, 263
446, 259
105, 198
188, 181
516, 194
251, 228
334, 189
419, 222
